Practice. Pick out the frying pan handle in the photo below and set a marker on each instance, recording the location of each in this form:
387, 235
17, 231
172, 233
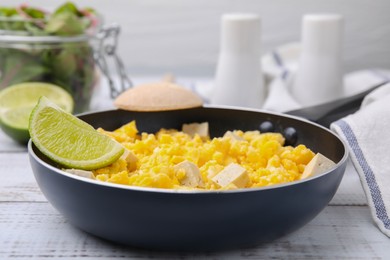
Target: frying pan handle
329, 112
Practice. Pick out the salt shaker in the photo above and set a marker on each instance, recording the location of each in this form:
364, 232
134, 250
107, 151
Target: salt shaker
319, 76
238, 80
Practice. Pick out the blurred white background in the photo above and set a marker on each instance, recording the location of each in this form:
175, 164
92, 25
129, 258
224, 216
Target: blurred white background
182, 37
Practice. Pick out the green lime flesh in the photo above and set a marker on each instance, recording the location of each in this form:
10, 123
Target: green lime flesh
70, 141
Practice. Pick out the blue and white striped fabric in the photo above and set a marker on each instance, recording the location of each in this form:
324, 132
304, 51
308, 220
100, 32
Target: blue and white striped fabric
367, 135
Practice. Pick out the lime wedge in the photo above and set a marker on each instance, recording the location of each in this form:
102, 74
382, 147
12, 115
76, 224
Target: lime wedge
17, 102
70, 141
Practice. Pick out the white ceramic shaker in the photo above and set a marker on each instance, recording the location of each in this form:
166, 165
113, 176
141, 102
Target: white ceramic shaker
320, 72
238, 79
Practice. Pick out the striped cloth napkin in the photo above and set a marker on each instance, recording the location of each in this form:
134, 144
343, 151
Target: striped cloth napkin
367, 135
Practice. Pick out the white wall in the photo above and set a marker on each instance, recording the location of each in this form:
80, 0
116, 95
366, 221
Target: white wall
182, 36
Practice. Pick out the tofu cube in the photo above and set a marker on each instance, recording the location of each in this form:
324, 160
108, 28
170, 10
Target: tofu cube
233, 136
131, 160
232, 174
317, 165
202, 129
81, 173
192, 177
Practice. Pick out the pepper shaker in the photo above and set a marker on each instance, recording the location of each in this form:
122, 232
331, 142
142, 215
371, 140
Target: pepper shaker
239, 80
319, 76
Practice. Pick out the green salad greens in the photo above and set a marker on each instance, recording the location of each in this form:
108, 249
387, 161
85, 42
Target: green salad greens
68, 64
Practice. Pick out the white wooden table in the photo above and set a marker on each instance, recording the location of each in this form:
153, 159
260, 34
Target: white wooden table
30, 228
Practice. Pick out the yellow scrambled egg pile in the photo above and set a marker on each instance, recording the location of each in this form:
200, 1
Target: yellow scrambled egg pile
150, 159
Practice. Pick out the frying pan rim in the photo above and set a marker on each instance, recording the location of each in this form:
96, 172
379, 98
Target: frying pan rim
193, 192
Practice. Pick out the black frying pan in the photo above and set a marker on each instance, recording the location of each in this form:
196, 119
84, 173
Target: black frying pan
173, 220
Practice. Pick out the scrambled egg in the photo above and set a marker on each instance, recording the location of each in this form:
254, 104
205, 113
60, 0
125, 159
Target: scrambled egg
173, 159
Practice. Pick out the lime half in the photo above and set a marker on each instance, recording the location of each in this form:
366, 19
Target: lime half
17, 102
70, 141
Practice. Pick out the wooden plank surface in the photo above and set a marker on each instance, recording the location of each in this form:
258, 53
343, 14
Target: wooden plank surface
8, 145
18, 183
36, 230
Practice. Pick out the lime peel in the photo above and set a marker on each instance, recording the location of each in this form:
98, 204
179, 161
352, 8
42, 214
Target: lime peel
70, 141
17, 102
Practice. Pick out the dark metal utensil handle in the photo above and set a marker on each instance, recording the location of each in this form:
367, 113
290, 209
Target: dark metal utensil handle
325, 114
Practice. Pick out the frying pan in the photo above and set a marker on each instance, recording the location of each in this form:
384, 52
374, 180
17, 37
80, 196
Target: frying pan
192, 220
